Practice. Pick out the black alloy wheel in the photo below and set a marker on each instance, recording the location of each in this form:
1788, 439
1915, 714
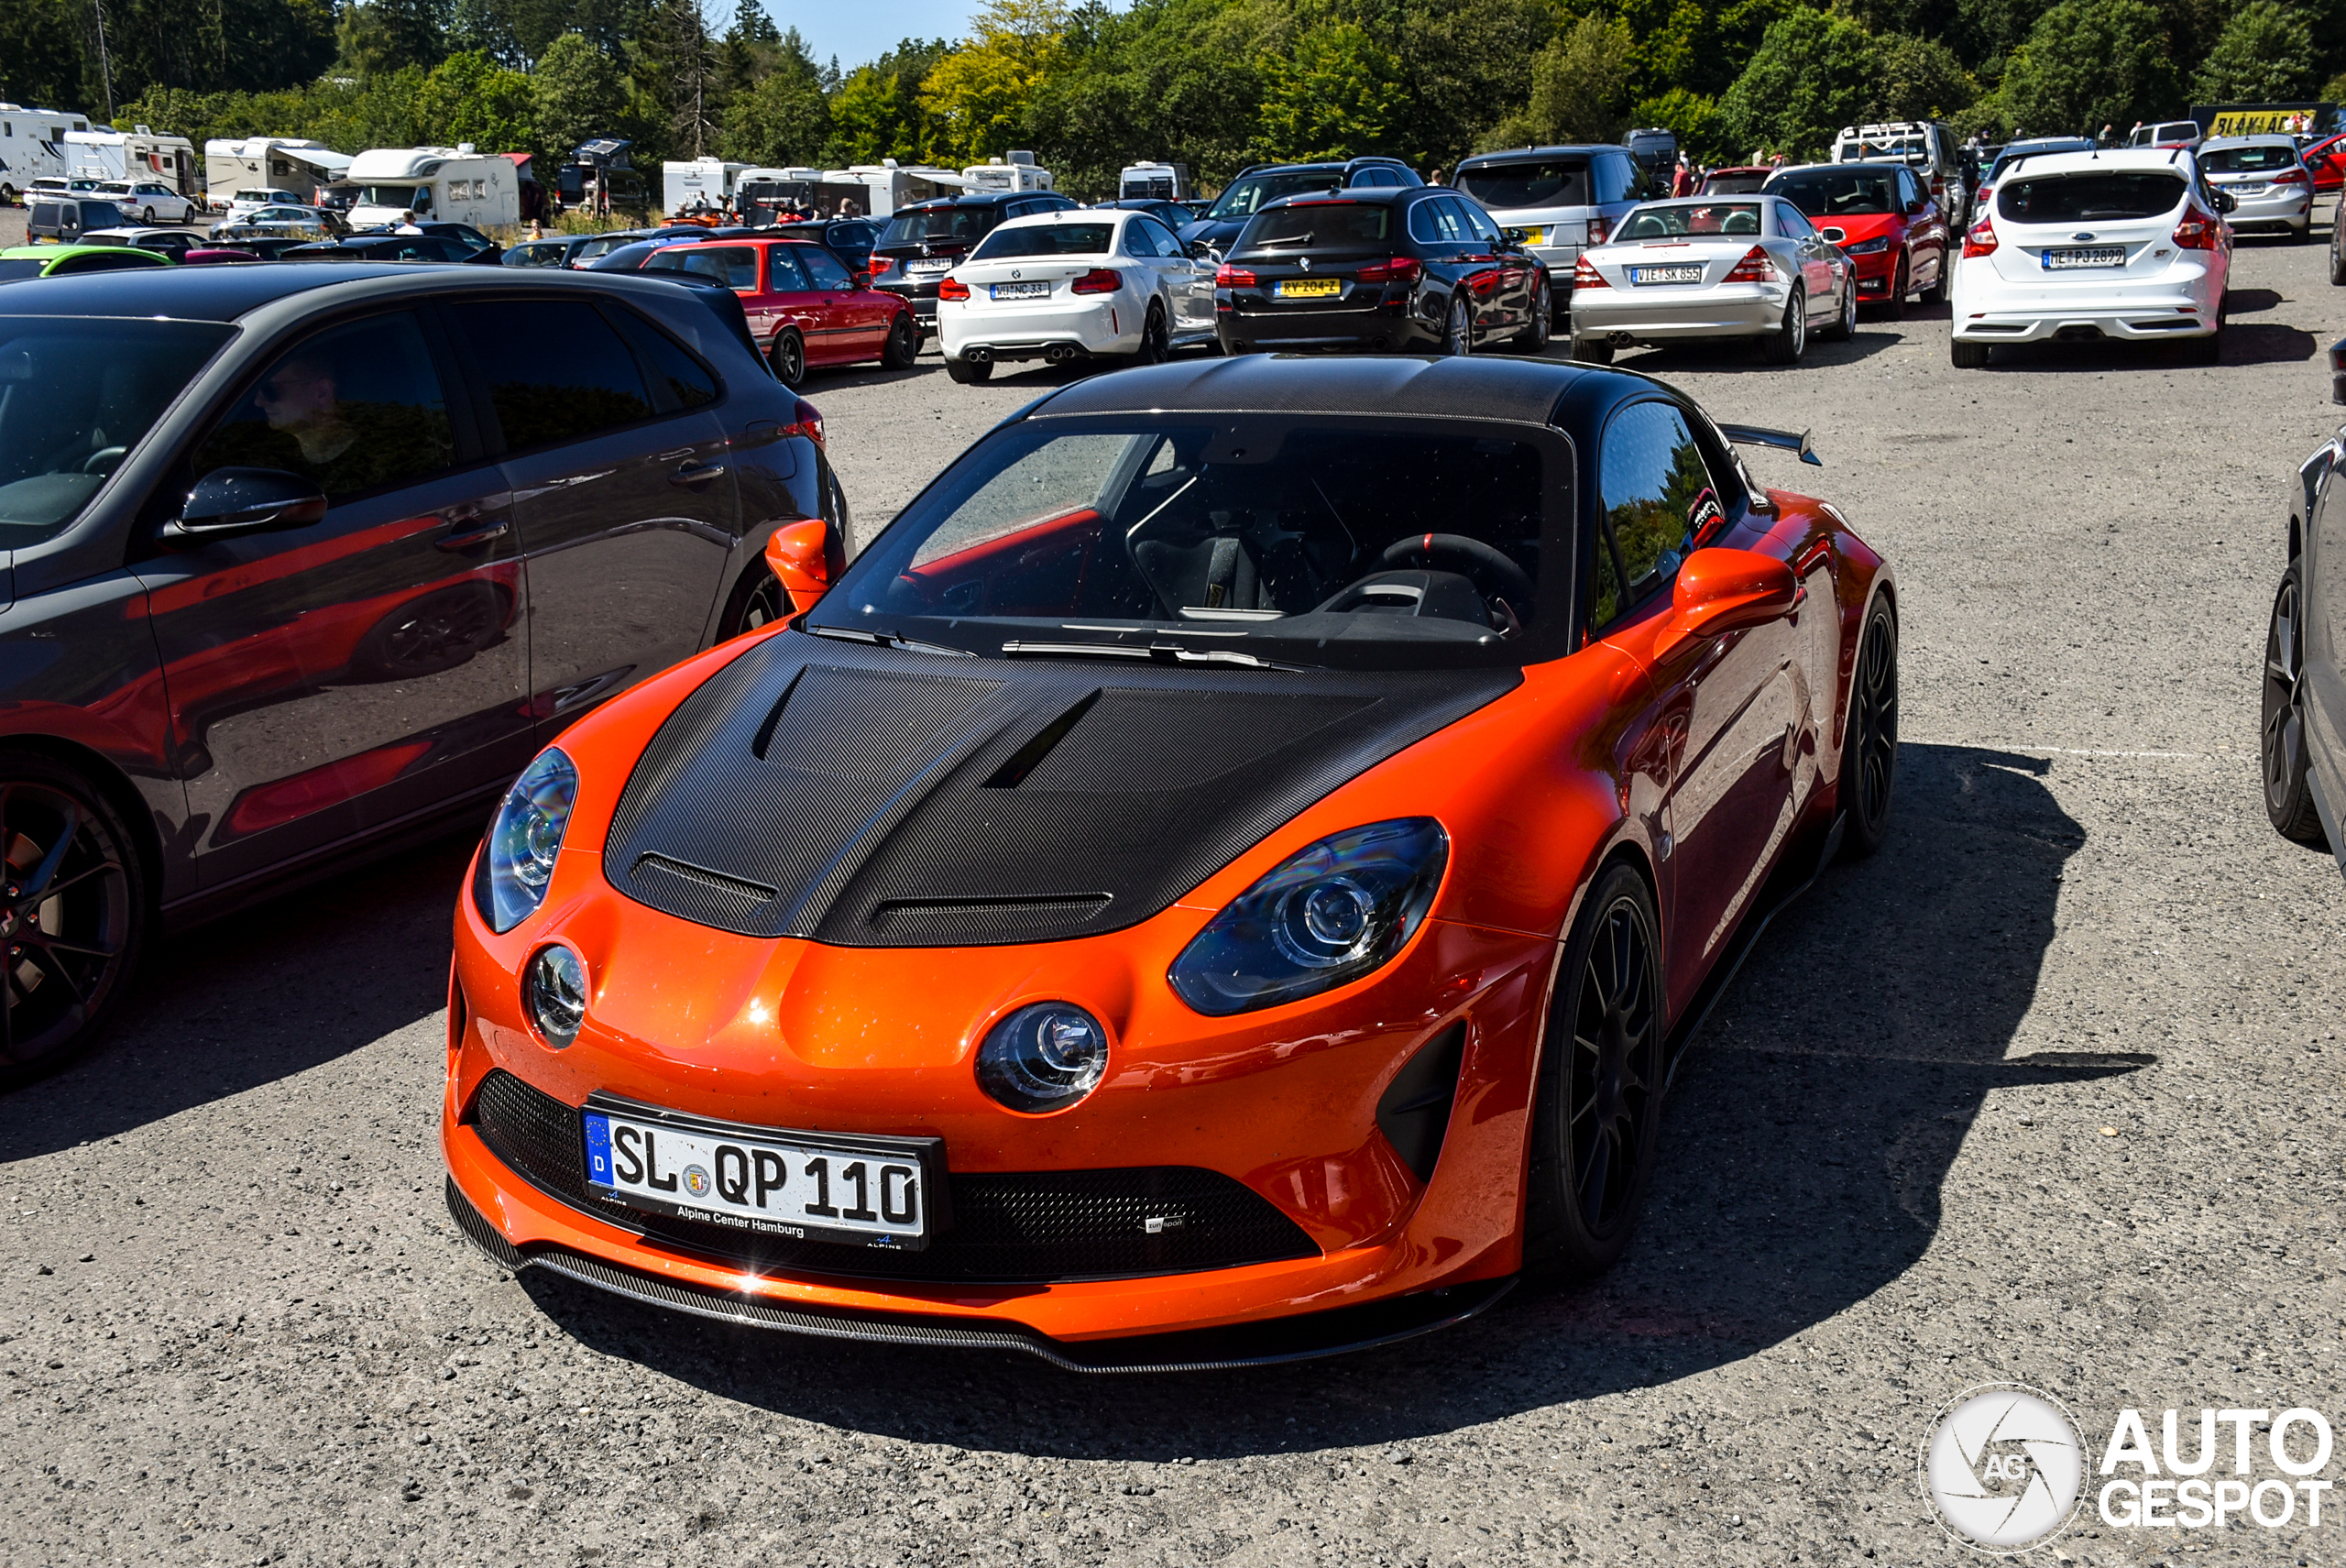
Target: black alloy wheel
73, 912
1156, 343
1869, 749
1900, 282
1458, 326
1592, 351
968, 372
1598, 1115
757, 602
902, 346
789, 358
2288, 798
1533, 339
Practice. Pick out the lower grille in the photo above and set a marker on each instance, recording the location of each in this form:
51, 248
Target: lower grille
1025, 1227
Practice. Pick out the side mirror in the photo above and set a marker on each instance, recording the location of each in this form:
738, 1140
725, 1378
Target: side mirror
2225, 200
798, 556
1720, 590
1201, 251
247, 500
863, 281
1514, 236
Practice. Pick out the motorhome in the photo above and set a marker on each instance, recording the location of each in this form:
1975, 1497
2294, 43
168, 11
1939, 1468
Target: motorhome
600, 179
104, 153
701, 183
32, 147
762, 195
889, 185
1018, 171
437, 184
270, 163
1155, 182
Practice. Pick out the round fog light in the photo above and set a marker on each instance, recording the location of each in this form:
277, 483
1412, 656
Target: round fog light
1043, 1056
556, 987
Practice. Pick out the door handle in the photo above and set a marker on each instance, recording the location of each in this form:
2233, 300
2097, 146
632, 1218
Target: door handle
465, 538
697, 474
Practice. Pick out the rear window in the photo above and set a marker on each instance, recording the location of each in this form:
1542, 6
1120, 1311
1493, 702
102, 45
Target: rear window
2089, 197
2248, 160
1736, 184
735, 266
1678, 223
1850, 192
1247, 197
1909, 149
1053, 239
1549, 182
945, 225
1321, 225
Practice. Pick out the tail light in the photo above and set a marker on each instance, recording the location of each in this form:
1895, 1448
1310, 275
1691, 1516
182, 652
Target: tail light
1600, 229
2198, 231
1099, 280
1233, 277
2290, 176
952, 288
881, 266
1980, 239
807, 420
1400, 269
1587, 276
1757, 267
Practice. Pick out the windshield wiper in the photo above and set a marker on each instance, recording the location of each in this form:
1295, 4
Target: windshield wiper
1156, 652
887, 639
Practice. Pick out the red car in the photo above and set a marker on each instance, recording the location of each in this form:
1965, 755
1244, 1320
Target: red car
1884, 220
2326, 162
1739, 181
805, 307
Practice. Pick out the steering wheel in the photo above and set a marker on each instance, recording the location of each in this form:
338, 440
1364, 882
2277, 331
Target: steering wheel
102, 460
1486, 564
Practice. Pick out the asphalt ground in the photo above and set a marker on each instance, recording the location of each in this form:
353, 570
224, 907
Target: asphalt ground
2046, 1091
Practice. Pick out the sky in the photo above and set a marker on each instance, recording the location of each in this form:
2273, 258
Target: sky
861, 30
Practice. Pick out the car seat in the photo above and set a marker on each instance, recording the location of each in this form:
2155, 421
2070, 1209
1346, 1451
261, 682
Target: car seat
1744, 221
1213, 573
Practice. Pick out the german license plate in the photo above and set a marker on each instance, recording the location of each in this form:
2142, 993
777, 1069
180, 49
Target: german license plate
1535, 234
1689, 272
2096, 256
1309, 288
808, 1186
925, 267
1022, 290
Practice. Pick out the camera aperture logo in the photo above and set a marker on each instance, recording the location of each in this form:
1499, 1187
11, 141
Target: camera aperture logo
2003, 1465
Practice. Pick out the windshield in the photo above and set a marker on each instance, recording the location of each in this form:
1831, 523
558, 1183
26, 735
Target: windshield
1327, 225
14, 268
1044, 239
1549, 182
2261, 160
1738, 183
1248, 196
1295, 542
1678, 223
76, 394
1906, 149
940, 225
2089, 197
416, 196
1838, 192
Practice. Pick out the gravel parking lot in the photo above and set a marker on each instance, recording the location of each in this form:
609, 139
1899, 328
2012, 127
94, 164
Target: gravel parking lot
2045, 1091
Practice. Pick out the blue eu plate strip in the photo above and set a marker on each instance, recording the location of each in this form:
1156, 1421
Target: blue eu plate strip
598, 1149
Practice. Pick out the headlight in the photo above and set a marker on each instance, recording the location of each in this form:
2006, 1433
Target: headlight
555, 987
517, 860
1334, 913
1045, 1056
1873, 247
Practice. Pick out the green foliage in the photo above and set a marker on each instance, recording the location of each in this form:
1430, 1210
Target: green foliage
783, 118
2266, 55
876, 112
1919, 79
977, 95
2089, 63
1336, 95
1814, 73
580, 93
1694, 117
1580, 87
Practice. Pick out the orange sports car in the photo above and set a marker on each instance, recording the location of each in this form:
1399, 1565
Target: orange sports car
1225, 876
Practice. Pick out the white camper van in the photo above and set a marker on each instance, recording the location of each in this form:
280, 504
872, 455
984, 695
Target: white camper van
438, 184
1155, 182
892, 185
298, 168
709, 180
139, 153
32, 147
1018, 171
762, 195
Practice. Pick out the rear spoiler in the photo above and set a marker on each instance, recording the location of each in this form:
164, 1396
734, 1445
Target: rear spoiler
1783, 440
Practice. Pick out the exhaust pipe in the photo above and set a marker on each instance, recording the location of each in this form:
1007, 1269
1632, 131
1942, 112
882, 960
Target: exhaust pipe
1058, 354
978, 353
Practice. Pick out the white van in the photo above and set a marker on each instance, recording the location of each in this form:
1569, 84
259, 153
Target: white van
2167, 133
438, 184
1019, 171
1926, 147
32, 147
1155, 182
707, 180
890, 185
139, 153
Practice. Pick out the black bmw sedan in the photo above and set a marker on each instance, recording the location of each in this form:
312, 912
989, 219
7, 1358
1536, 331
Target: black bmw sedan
307, 562
1416, 269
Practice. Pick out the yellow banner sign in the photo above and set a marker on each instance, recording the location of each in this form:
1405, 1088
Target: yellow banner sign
2262, 122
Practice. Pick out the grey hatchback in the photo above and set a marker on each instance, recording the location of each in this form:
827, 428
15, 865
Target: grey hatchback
306, 563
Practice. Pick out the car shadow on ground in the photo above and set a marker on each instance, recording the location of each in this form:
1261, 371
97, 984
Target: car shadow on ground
1803, 1160
260, 995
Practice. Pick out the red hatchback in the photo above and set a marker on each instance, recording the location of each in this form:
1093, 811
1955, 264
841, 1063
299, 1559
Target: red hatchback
2326, 162
805, 307
1885, 221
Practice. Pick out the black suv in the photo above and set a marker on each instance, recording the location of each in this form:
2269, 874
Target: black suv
1260, 186
310, 560
922, 242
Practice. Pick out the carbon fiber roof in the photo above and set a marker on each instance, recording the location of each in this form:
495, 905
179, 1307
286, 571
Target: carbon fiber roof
1524, 390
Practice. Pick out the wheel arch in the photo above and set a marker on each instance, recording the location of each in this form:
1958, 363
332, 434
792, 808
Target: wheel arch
110, 781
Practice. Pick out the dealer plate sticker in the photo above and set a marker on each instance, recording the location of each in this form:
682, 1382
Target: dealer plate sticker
1687, 273
1022, 290
781, 1183
2098, 255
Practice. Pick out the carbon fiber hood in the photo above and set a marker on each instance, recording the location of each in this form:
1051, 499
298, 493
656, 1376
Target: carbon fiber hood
874, 798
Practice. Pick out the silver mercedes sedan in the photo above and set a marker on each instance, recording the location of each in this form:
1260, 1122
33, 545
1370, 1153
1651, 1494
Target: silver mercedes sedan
1700, 267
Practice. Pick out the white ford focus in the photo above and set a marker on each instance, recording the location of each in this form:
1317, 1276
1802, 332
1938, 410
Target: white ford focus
2077, 246
1080, 283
